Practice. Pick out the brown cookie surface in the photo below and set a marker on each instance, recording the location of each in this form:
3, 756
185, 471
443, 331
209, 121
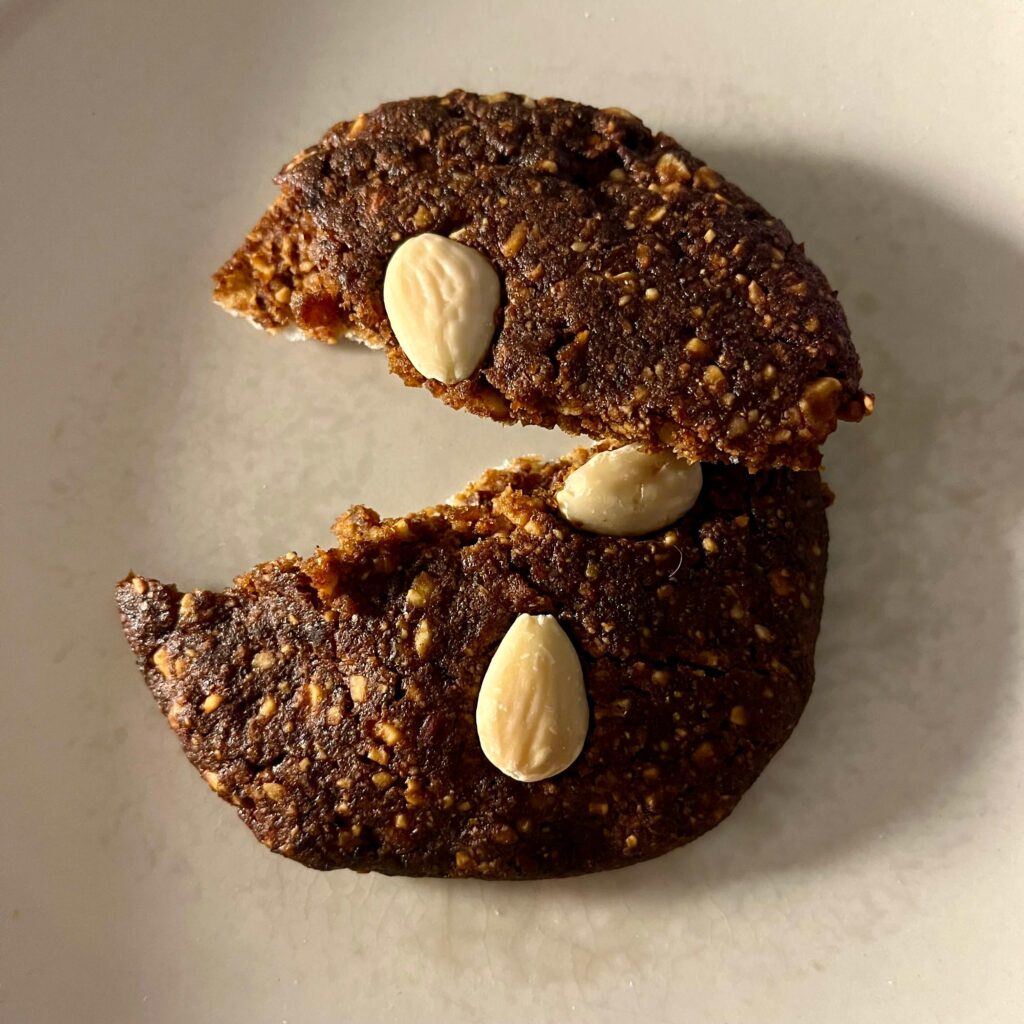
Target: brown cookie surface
645, 297
331, 699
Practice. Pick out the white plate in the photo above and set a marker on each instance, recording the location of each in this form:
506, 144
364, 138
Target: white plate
873, 874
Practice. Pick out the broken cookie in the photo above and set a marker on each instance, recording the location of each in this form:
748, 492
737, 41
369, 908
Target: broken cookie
349, 704
636, 295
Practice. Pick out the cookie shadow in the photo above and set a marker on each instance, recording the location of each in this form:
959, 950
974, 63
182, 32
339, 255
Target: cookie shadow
914, 659
18, 17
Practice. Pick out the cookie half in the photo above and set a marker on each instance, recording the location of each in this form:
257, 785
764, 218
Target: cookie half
331, 699
644, 297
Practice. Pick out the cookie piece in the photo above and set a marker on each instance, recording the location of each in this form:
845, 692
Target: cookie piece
331, 699
645, 297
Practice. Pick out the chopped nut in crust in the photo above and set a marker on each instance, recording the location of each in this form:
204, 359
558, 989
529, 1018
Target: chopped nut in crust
424, 638
357, 688
420, 591
212, 702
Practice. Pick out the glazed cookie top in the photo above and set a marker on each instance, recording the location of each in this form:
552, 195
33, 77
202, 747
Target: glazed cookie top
335, 701
642, 296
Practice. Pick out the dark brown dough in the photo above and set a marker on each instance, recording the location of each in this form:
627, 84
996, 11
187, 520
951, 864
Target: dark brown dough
646, 298
331, 699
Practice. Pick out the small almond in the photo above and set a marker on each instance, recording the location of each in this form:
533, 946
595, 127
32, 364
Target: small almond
532, 714
442, 298
626, 492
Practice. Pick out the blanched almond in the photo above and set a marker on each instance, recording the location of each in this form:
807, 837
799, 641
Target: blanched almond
626, 492
532, 713
441, 299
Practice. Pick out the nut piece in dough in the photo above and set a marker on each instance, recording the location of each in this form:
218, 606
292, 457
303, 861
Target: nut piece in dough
441, 299
626, 492
532, 714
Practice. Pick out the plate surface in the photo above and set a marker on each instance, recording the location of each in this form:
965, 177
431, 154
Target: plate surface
873, 874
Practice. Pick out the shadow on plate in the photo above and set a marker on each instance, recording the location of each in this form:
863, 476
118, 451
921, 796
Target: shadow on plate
914, 660
18, 17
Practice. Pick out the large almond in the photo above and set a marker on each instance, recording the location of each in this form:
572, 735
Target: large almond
626, 492
532, 714
441, 298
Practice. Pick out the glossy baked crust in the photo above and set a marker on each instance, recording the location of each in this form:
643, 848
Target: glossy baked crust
645, 297
331, 699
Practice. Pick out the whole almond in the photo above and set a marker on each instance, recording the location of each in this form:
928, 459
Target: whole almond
532, 713
441, 299
626, 492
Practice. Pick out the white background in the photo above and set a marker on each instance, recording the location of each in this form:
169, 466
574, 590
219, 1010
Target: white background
874, 874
